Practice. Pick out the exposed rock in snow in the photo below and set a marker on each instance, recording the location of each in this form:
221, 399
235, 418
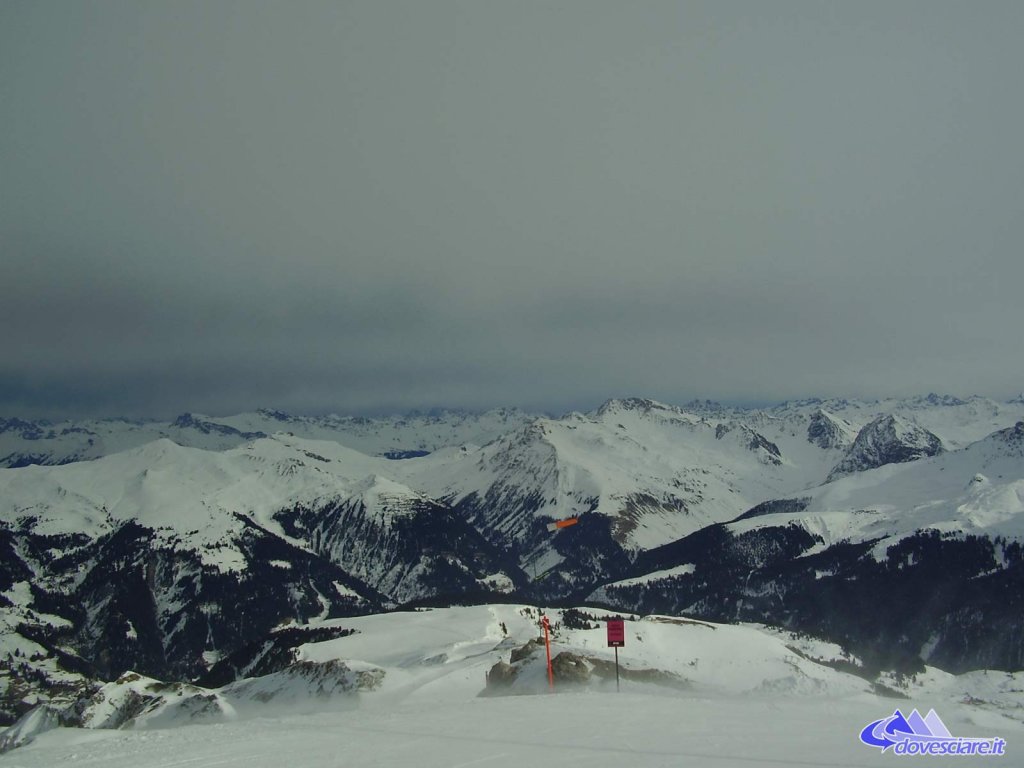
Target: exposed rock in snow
829, 432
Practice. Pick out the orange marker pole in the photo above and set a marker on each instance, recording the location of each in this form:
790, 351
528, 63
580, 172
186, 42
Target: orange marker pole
547, 648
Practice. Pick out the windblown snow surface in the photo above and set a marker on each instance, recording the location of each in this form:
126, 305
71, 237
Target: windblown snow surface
692, 693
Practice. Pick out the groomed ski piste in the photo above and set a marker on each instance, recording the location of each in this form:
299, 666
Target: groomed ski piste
411, 689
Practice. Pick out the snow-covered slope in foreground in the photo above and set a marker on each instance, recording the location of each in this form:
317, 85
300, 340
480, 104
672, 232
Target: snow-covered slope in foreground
749, 697
604, 731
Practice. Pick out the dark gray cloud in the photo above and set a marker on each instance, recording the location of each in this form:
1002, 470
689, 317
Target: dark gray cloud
370, 206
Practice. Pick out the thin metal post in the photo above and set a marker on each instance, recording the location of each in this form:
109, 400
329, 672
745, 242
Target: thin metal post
616, 669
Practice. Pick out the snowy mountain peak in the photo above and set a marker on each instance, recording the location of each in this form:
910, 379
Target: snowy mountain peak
638, 410
889, 439
767, 452
832, 405
634, 404
1009, 441
828, 431
932, 400
386, 498
158, 450
706, 407
274, 415
206, 426
28, 430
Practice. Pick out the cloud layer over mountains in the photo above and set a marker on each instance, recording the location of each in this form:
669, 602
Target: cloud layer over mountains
358, 207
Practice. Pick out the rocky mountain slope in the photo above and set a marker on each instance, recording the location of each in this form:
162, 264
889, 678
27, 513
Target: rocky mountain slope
888, 439
165, 559
910, 562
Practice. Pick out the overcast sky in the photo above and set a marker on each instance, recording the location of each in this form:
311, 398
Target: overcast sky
376, 206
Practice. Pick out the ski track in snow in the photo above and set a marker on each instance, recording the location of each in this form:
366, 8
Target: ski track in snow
602, 730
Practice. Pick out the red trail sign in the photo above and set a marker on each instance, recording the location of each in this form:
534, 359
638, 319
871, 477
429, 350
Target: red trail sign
616, 633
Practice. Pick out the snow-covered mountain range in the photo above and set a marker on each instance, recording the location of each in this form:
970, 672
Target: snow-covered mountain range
171, 549
40, 442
